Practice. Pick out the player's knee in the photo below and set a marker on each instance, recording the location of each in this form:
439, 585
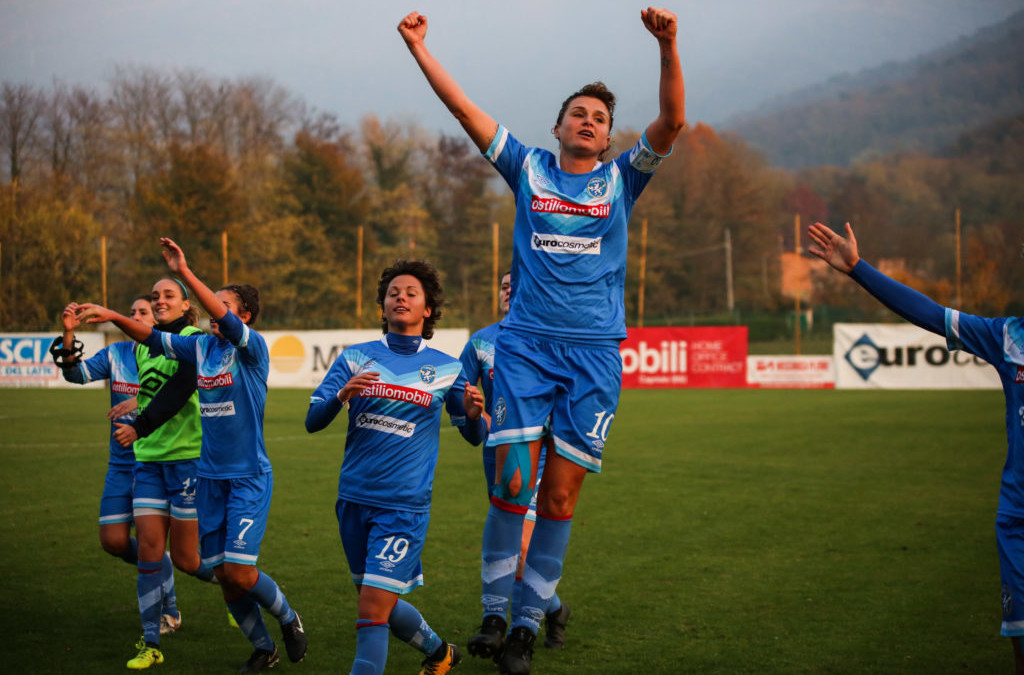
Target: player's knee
511, 486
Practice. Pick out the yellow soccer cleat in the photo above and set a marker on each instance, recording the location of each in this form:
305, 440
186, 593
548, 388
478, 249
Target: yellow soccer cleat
147, 656
449, 659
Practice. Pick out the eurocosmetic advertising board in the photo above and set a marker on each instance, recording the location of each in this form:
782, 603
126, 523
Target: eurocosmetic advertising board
903, 356
679, 357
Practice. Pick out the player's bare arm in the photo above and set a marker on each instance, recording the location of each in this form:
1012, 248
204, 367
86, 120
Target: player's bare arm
93, 313
478, 125
662, 132
176, 262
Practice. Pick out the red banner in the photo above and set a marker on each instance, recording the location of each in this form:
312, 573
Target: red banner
674, 357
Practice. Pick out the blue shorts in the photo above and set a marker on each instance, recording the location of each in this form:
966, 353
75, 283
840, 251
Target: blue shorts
576, 385
1010, 538
162, 487
116, 502
233, 518
383, 546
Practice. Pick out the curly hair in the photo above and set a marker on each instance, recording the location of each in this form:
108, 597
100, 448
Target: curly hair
428, 277
248, 297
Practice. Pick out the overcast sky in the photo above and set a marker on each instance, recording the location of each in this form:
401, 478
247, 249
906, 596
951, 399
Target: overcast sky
516, 58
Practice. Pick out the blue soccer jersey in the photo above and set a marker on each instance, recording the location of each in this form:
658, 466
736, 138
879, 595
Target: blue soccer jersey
1000, 342
232, 383
569, 241
116, 363
394, 425
477, 360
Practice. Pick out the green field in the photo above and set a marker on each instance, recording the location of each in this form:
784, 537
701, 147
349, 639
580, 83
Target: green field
730, 532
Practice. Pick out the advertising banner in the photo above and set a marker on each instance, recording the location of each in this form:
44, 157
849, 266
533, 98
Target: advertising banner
678, 357
25, 359
903, 356
791, 372
302, 358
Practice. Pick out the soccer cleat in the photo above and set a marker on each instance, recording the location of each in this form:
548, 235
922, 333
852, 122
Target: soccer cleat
261, 659
294, 639
147, 656
449, 659
488, 640
169, 624
554, 627
518, 652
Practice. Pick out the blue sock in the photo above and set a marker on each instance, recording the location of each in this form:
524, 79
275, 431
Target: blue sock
250, 621
131, 556
503, 533
205, 573
170, 604
371, 648
269, 595
554, 604
409, 626
542, 571
151, 599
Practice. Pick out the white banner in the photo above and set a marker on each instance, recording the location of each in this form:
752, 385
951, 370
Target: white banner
903, 356
791, 372
25, 359
302, 358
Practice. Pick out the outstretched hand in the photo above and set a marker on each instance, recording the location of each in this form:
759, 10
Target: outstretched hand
839, 252
174, 256
661, 23
93, 313
413, 28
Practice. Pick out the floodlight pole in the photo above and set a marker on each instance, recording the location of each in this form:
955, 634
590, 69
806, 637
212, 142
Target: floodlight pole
796, 249
359, 277
730, 300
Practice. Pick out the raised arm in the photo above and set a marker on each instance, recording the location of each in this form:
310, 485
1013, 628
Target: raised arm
176, 262
662, 132
478, 125
92, 313
841, 253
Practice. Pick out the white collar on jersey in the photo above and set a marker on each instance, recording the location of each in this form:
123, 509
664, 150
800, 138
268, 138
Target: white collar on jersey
420, 348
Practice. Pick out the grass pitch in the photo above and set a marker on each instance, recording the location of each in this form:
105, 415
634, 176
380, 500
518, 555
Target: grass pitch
730, 532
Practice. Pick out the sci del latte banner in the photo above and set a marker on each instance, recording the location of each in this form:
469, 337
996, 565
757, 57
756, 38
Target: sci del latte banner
678, 357
25, 359
903, 356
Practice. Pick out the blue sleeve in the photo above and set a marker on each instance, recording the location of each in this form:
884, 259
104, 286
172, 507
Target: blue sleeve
177, 347
638, 164
470, 362
507, 154
915, 307
324, 405
96, 367
251, 347
474, 431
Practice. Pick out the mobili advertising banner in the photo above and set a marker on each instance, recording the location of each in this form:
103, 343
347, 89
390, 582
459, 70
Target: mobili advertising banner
684, 357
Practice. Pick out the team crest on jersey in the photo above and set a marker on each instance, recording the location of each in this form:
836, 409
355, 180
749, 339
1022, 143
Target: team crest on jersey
597, 187
500, 410
428, 373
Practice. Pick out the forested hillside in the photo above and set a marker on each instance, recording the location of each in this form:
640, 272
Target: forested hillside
920, 106
190, 156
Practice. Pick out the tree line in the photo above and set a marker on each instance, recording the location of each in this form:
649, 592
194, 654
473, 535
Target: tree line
190, 156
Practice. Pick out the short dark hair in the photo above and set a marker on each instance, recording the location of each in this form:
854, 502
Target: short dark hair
428, 277
596, 90
248, 297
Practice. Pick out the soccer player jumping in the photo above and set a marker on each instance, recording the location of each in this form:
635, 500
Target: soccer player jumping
557, 351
